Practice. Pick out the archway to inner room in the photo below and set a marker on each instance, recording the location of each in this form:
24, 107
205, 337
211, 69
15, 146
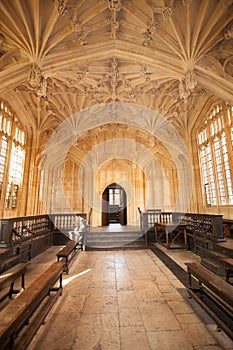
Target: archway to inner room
114, 205
127, 180
141, 136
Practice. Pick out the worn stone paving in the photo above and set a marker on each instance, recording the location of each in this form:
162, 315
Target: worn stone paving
123, 300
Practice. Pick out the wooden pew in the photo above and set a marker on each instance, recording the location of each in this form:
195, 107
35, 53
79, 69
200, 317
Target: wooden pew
228, 269
213, 293
21, 318
8, 278
67, 254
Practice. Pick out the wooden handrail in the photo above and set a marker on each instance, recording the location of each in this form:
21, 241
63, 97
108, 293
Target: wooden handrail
211, 224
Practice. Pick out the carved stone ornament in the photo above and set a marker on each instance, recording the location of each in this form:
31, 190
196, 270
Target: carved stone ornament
115, 5
37, 81
61, 8
2, 39
186, 2
167, 13
229, 33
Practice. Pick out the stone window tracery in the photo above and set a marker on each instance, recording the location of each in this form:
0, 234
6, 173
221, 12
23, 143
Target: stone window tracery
12, 156
215, 154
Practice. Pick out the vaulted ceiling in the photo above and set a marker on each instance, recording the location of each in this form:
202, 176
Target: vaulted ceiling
60, 57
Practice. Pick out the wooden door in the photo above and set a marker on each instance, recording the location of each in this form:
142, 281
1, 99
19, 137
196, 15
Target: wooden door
105, 208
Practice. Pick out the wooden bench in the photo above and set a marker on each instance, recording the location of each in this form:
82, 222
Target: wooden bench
8, 278
21, 318
67, 253
228, 269
213, 293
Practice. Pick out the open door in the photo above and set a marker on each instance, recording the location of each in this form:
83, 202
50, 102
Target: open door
105, 208
114, 205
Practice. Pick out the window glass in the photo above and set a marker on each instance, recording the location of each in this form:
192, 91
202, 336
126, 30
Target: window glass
12, 155
114, 196
214, 156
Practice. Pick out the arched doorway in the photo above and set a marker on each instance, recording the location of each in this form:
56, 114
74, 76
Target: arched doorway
114, 205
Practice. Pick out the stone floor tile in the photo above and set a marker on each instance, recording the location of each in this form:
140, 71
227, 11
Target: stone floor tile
130, 317
69, 302
157, 316
161, 279
127, 299
180, 307
134, 338
169, 340
62, 330
215, 347
173, 296
139, 274
95, 304
199, 335
166, 288
98, 332
147, 291
189, 318
106, 284
124, 285
122, 277
108, 304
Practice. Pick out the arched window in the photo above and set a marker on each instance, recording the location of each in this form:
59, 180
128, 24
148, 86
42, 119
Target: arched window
12, 156
215, 151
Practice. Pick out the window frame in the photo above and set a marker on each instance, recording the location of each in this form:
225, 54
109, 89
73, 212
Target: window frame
14, 154
217, 133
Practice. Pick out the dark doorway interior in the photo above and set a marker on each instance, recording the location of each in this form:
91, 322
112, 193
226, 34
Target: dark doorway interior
114, 209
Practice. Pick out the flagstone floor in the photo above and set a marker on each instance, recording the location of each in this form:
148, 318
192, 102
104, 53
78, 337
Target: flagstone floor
124, 300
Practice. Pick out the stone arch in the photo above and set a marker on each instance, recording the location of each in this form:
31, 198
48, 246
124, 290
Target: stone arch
68, 132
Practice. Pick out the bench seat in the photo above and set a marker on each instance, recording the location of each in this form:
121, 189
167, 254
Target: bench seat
213, 293
228, 269
66, 253
37, 300
8, 278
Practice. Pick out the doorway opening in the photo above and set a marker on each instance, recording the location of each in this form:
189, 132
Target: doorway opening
114, 205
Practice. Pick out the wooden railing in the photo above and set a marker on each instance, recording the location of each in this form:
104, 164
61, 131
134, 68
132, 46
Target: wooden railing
206, 225
22, 228
202, 224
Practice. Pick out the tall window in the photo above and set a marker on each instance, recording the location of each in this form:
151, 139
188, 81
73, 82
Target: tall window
3, 153
215, 154
114, 196
12, 155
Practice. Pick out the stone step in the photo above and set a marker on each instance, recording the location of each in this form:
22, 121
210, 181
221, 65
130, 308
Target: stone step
120, 233
113, 246
115, 240
113, 237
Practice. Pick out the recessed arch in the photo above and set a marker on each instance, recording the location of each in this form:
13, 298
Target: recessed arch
152, 122
114, 205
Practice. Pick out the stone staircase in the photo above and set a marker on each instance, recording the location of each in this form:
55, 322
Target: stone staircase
115, 240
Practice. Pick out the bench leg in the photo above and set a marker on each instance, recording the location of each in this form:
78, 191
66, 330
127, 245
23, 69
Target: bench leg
58, 288
60, 281
189, 279
67, 266
191, 286
15, 291
11, 291
227, 274
23, 282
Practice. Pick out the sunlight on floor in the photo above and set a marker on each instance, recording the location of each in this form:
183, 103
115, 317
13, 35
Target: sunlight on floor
70, 279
